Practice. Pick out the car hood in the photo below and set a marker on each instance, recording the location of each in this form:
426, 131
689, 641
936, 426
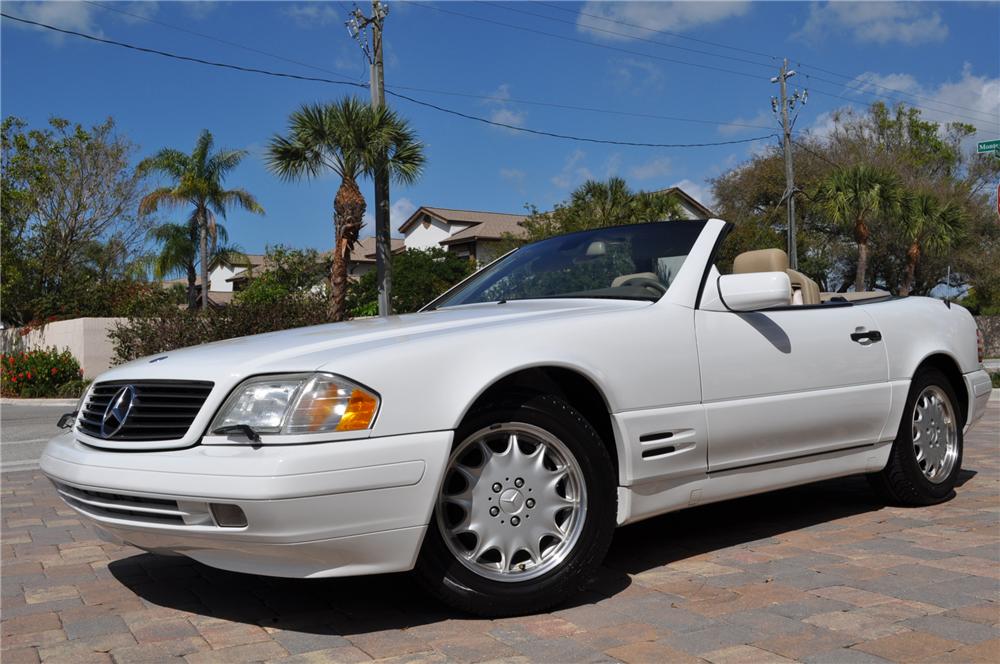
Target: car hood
311, 348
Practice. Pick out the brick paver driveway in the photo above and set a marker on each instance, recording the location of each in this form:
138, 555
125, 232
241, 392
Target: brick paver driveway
819, 573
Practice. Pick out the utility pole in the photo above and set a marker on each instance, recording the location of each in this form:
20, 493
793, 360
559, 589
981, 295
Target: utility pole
357, 25
788, 104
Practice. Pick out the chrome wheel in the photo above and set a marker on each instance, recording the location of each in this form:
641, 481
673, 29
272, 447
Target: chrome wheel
935, 434
513, 502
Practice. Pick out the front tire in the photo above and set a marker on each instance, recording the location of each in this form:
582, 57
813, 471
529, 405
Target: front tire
926, 456
526, 511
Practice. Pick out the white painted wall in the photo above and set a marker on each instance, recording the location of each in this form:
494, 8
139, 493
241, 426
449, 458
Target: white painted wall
217, 278
86, 338
431, 235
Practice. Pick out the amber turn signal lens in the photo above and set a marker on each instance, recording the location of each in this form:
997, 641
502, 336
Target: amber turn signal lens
360, 411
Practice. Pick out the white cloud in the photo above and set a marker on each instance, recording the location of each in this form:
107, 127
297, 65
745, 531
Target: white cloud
699, 192
315, 14
636, 75
740, 125
670, 16
78, 16
574, 171
508, 117
502, 111
654, 168
400, 211
879, 22
979, 96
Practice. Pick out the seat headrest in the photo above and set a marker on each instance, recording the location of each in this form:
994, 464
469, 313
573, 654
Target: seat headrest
761, 260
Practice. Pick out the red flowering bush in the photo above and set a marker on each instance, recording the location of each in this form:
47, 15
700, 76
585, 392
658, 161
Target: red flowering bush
40, 373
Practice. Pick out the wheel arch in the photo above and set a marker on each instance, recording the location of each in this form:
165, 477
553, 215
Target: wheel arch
949, 366
569, 383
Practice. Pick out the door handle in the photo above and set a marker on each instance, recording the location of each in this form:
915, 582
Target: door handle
870, 336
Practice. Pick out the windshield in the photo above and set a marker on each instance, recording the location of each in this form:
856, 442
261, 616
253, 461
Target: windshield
636, 262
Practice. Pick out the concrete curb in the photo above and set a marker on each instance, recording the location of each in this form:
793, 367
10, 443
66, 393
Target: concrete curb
8, 401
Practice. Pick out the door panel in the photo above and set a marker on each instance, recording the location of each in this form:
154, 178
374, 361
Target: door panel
789, 383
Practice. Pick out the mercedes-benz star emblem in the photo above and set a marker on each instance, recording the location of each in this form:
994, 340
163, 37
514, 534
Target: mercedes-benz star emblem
117, 411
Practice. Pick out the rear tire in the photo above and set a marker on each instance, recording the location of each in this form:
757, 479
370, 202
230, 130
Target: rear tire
526, 513
926, 456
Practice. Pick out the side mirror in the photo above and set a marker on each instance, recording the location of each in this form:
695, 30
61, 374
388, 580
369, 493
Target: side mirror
755, 290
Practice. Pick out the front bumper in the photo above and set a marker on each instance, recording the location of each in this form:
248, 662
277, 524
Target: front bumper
328, 509
978, 386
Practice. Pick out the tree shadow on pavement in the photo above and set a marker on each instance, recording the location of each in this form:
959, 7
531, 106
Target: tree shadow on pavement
366, 604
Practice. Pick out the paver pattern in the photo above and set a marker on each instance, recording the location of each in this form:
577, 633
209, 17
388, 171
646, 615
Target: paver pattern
822, 573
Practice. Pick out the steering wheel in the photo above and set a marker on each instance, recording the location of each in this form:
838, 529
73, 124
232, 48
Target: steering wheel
645, 282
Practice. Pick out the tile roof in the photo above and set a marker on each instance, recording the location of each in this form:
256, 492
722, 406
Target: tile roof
453, 216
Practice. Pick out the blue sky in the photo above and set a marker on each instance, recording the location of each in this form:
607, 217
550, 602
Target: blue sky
595, 55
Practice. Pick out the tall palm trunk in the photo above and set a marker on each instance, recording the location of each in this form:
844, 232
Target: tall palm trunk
861, 234
912, 258
192, 272
203, 232
349, 212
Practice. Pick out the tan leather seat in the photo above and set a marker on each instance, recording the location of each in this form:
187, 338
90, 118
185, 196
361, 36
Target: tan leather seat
804, 289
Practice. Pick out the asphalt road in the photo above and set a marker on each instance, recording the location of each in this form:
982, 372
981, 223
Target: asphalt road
25, 427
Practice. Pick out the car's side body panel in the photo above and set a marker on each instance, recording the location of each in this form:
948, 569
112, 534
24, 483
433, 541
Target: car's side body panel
703, 405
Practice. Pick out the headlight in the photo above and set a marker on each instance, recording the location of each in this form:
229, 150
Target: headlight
298, 404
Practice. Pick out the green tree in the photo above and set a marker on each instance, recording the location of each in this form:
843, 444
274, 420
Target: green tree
68, 228
928, 225
420, 275
178, 253
352, 140
287, 272
596, 204
858, 197
197, 180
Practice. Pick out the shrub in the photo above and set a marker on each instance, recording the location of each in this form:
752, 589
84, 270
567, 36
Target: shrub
170, 327
418, 276
40, 373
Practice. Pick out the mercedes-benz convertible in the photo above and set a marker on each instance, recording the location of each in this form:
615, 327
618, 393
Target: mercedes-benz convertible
494, 440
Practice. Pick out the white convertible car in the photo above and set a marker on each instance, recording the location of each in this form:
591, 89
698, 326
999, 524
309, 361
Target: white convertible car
494, 440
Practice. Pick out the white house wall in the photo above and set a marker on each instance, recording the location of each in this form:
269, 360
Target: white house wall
218, 276
430, 232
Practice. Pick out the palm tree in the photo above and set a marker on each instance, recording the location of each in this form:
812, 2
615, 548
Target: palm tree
855, 198
930, 226
613, 203
178, 253
197, 181
353, 140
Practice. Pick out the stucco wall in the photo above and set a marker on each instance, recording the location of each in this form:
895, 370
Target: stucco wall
86, 338
431, 235
990, 327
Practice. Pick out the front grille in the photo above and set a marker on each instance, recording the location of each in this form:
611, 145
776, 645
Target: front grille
161, 409
120, 506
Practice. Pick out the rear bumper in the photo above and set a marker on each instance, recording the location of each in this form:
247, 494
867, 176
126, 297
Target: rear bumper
978, 385
328, 509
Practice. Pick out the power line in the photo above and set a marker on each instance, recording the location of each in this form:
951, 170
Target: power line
635, 53
511, 8
883, 87
799, 63
827, 93
428, 90
300, 77
251, 49
662, 32
585, 42
860, 90
587, 109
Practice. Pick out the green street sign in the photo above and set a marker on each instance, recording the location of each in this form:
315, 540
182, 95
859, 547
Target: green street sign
989, 146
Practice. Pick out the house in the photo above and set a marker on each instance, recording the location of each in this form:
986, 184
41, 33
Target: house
478, 235
471, 234
691, 208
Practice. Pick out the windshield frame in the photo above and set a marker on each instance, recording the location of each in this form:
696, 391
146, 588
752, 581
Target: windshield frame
436, 303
